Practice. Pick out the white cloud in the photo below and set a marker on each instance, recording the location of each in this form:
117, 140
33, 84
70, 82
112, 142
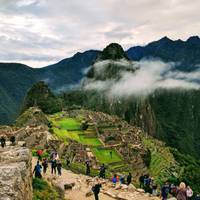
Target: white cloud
150, 75
62, 27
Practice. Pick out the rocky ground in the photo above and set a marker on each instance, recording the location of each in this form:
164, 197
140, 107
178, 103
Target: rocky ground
76, 186
15, 173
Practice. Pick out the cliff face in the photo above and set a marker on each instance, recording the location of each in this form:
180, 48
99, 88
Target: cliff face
15, 174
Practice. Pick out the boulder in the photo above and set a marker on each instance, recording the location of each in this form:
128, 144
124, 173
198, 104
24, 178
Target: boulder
140, 190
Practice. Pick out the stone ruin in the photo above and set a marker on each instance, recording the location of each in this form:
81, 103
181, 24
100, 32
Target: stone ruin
15, 174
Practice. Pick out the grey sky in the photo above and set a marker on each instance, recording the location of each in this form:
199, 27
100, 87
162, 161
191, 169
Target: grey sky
41, 32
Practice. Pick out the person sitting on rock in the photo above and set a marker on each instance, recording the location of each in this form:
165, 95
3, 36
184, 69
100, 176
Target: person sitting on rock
53, 166
96, 189
129, 178
37, 170
102, 173
45, 165
59, 167
3, 141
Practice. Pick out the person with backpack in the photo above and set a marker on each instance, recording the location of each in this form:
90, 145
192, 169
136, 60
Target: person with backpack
181, 193
3, 141
37, 170
129, 178
189, 192
45, 165
96, 189
59, 167
53, 166
165, 191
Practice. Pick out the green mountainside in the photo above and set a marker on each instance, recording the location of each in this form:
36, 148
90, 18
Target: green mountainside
168, 114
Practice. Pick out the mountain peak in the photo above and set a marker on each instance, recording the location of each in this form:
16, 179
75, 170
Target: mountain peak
165, 39
113, 51
193, 39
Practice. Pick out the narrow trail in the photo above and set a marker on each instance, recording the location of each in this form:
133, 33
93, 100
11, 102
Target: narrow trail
81, 188
67, 175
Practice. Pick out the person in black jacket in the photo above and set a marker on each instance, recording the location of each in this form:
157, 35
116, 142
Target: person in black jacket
96, 189
3, 141
129, 179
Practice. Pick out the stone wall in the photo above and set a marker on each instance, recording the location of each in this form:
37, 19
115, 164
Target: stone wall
15, 174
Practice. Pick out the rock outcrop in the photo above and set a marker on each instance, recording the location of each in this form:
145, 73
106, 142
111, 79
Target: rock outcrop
15, 174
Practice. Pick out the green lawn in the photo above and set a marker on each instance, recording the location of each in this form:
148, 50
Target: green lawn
103, 155
90, 141
77, 136
67, 123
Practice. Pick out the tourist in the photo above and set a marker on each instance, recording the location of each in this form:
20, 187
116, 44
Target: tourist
3, 141
154, 189
53, 166
141, 180
12, 140
115, 180
37, 170
129, 178
96, 189
165, 191
45, 165
102, 173
181, 193
39, 154
110, 154
173, 190
87, 167
189, 192
67, 162
122, 179
59, 167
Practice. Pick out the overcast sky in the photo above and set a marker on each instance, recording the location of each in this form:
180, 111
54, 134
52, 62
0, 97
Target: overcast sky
42, 32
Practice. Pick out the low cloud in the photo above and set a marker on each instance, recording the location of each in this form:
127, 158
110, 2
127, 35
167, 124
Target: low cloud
149, 76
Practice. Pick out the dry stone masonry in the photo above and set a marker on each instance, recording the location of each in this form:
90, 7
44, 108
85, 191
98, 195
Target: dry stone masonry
15, 174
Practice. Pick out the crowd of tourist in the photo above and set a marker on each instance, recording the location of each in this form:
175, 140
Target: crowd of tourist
56, 164
181, 192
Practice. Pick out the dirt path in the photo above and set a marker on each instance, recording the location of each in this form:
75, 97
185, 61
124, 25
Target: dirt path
77, 193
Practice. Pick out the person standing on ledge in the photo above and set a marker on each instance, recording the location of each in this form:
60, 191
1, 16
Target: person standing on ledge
3, 141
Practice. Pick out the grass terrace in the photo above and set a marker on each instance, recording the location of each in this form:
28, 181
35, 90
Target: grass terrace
67, 123
104, 156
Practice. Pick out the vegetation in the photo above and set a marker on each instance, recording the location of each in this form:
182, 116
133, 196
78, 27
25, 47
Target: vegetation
162, 164
41, 96
106, 156
43, 191
190, 169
